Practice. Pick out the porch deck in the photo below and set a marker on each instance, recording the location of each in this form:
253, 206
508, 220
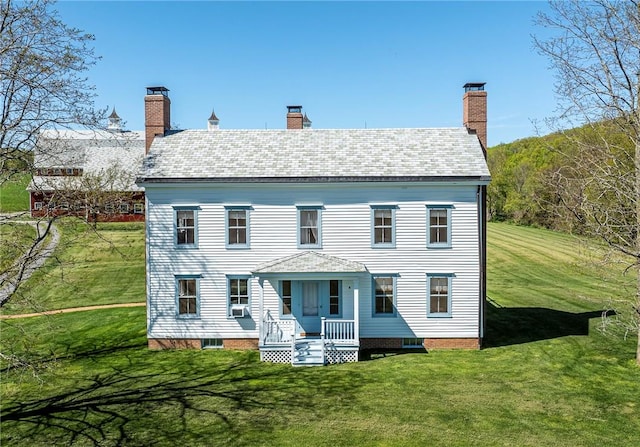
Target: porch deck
281, 343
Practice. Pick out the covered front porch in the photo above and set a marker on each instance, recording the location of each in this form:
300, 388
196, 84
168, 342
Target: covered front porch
313, 317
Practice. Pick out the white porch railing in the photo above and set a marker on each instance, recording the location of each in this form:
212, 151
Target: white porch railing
276, 331
283, 331
343, 331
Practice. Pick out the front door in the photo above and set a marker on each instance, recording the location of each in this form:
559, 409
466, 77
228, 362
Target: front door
310, 321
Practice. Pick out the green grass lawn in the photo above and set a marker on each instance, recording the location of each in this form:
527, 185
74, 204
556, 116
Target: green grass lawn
561, 383
14, 195
14, 238
105, 266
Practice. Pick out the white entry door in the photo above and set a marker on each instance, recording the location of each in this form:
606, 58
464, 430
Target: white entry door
310, 307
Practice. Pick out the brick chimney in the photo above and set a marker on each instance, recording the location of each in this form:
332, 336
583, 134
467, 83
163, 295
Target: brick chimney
157, 114
474, 111
295, 119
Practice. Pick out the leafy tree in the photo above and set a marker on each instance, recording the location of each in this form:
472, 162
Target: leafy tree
519, 190
594, 48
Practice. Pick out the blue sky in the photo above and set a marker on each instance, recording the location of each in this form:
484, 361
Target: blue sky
349, 64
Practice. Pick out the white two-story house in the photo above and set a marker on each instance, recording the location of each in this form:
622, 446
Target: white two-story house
313, 245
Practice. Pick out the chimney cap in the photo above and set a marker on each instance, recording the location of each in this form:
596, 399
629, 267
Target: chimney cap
474, 86
158, 91
294, 109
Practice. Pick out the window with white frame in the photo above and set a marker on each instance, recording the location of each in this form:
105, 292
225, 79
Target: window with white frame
237, 227
285, 293
212, 343
187, 291
384, 295
439, 226
439, 295
335, 289
138, 208
309, 227
37, 206
124, 208
186, 230
383, 226
237, 294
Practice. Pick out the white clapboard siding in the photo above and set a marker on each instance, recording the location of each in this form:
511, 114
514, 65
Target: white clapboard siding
346, 233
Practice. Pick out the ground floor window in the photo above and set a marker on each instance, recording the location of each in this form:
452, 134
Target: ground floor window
238, 296
384, 295
187, 289
439, 295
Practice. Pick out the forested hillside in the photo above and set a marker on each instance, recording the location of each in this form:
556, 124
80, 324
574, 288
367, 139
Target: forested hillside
534, 179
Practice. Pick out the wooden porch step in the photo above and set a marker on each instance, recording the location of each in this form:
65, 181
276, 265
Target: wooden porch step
308, 352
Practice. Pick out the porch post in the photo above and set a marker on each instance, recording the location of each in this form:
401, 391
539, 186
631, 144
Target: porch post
261, 310
356, 309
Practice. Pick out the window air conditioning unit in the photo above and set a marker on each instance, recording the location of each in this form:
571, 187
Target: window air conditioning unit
239, 311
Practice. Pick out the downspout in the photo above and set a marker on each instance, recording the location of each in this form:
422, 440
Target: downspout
482, 251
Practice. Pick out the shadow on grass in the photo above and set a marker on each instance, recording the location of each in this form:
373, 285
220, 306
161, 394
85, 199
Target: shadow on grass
231, 404
516, 325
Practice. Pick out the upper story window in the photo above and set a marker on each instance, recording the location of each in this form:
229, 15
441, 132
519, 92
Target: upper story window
186, 230
310, 226
237, 230
439, 294
383, 231
384, 297
188, 291
439, 226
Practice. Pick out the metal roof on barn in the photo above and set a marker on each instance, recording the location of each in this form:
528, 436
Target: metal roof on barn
92, 151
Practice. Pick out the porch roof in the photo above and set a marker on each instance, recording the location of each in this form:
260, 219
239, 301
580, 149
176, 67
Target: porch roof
310, 262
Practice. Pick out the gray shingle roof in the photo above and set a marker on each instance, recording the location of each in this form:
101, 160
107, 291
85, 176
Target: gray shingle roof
310, 262
233, 155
